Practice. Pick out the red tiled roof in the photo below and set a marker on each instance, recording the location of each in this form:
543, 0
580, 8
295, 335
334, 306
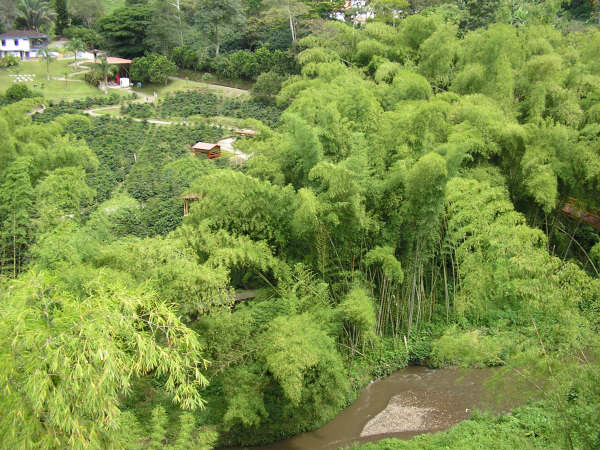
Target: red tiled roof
112, 60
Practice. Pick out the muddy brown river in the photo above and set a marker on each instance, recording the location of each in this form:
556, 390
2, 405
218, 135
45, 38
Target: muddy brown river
408, 402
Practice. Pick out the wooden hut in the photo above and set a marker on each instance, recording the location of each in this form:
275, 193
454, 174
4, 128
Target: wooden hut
187, 200
574, 209
245, 132
211, 150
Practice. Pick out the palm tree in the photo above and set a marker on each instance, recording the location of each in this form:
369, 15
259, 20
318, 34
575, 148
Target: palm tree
105, 70
47, 56
34, 14
76, 46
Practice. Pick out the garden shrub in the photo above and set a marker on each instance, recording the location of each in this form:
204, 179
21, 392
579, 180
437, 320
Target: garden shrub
9, 61
17, 92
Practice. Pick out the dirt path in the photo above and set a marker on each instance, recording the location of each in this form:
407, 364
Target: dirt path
39, 110
227, 145
94, 113
78, 64
68, 79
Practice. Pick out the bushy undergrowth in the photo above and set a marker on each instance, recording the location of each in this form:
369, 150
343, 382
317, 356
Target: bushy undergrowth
405, 209
205, 104
149, 161
480, 432
54, 110
471, 348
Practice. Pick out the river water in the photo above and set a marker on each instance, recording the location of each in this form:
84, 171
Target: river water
416, 400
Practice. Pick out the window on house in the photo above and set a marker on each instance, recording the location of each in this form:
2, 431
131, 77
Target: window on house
16, 42
3, 42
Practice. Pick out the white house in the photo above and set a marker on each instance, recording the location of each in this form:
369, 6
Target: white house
22, 43
357, 10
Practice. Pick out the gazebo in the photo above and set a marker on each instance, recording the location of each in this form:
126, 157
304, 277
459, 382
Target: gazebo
123, 64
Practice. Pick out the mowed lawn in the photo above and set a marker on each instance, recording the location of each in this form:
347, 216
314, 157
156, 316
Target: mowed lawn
53, 89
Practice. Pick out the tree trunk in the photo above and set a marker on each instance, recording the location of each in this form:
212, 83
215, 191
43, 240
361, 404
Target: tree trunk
178, 6
292, 24
217, 41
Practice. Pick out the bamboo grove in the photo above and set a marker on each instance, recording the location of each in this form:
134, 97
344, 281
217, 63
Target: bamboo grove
406, 208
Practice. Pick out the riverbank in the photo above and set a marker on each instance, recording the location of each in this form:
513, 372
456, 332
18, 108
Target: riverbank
409, 402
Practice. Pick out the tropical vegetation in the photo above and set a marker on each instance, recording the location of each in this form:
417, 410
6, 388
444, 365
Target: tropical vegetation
422, 189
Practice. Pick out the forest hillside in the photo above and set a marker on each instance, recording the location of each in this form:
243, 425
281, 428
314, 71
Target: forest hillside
419, 189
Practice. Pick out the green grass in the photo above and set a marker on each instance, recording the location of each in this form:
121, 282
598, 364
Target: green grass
113, 112
214, 79
111, 5
53, 89
178, 85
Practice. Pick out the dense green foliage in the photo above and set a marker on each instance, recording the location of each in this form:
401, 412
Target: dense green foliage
204, 103
16, 92
400, 204
241, 64
152, 68
54, 110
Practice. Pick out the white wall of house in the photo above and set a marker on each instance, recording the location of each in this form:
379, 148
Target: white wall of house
15, 44
362, 10
23, 48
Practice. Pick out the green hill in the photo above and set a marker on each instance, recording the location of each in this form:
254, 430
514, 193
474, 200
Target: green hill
110, 5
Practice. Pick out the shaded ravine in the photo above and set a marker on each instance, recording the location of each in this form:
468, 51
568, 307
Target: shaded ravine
411, 401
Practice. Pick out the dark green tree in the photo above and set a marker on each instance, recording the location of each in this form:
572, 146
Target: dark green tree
161, 69
34, 14
125, 30
153, 68
62, 16
480, 13
222, 19
8, 14
88, 11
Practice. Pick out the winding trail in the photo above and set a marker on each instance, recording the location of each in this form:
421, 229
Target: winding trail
39, 110
227, 145
94, 113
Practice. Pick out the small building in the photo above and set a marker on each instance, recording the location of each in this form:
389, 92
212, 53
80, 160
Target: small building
124, 65
187, 200
211, 150
576, 210
24, 44
245, 132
